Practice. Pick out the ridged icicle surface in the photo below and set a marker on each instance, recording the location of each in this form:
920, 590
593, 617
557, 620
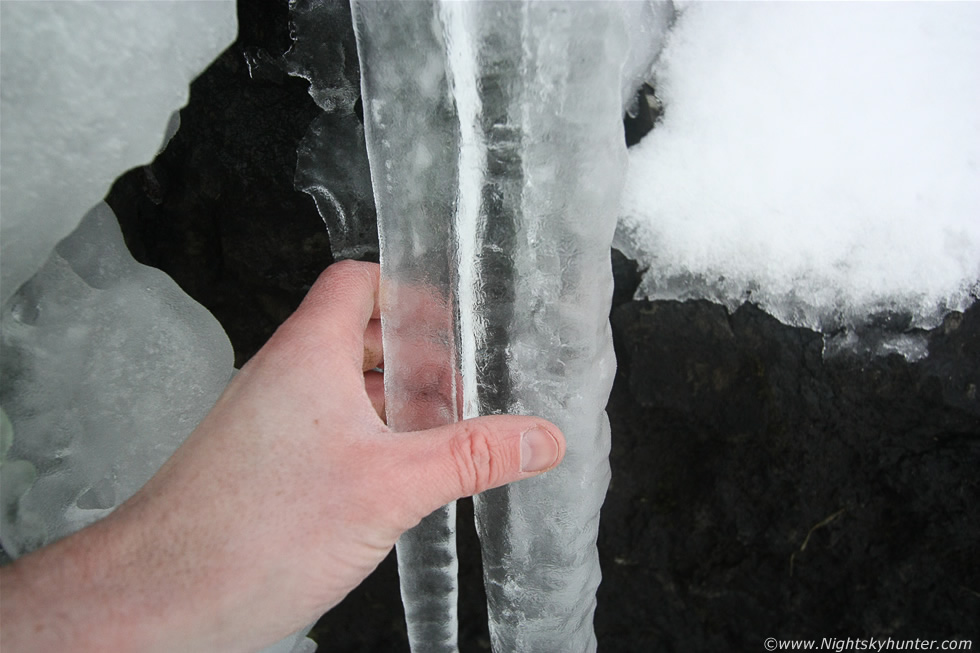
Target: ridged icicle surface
495, 138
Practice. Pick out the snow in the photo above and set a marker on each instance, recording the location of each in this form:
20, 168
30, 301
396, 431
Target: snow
819, 159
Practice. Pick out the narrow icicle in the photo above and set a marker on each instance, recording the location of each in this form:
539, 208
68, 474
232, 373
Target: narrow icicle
413, 144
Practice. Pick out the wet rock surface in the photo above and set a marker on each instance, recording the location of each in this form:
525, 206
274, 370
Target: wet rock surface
760, 489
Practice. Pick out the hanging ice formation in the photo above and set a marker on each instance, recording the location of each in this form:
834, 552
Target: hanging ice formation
495, 138
106, 365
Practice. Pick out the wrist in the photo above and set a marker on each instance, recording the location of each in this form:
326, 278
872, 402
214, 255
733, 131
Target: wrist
106, 588
55, 599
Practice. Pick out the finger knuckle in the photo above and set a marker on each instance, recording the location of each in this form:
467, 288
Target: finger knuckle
346, 266
348, 270
476, 458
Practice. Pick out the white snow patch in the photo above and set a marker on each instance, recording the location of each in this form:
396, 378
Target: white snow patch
818, 159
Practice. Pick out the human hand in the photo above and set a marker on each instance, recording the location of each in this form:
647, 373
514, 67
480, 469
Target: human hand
285, 497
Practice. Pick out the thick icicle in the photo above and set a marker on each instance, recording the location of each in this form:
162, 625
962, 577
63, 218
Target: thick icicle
497, 153
551, 124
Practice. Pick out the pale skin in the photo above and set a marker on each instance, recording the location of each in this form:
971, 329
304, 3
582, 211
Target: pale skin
286, 496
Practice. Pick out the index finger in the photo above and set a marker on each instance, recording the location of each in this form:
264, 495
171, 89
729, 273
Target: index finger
351, 286
337, 309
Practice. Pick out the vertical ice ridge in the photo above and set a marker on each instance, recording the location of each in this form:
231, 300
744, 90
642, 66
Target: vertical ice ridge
428, 567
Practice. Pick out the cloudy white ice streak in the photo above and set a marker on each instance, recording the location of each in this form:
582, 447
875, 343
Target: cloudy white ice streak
462, 71
821, 159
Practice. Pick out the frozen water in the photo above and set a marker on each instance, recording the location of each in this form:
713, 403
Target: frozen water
331, 164
413, 144
81, 83
551, 84
106, 367
298, 642
105, 364
332, 167
649, 22
87, 89
321, 30
494, 132
819, 159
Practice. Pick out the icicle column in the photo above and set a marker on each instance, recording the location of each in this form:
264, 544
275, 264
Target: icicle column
550, 131
495, 138
413, 145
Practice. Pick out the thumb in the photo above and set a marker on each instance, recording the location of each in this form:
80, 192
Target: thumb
468, 457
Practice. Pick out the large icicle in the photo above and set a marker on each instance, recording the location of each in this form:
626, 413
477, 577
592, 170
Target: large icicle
497, 152
552, 122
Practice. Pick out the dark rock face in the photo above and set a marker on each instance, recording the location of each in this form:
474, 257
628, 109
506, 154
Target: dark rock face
759, 489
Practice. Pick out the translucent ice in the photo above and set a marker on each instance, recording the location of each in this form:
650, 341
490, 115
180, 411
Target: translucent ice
820, 159
413, 144
497, 152
331, 161
332, 167
106, 367
105, 364
87, 89
322, 34
298, 642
